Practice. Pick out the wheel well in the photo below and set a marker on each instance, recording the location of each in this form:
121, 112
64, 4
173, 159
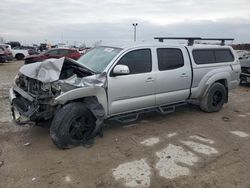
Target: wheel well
19, 54
224, 83
92, 104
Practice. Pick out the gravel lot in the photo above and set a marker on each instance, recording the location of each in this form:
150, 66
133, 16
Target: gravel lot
188, 148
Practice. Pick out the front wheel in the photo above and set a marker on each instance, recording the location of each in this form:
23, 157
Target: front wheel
214, 98
72, 125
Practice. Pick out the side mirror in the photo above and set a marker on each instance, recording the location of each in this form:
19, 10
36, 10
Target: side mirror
121, 70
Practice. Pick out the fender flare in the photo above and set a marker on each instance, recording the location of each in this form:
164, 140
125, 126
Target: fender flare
79, 93
206, 82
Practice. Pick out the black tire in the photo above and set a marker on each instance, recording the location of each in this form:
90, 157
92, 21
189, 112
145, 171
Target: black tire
72, 125
214, 98
19, 56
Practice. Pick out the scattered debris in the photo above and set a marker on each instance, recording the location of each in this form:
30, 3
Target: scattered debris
67, 179
225, 118
240, 134
1, 163
27, 144
168, 166
200, 148
236, 149
170, 135
242, 115
203, 139
150, 141
135, 174
33, 179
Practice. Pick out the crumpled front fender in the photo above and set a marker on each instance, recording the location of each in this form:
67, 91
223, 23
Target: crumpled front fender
79, 93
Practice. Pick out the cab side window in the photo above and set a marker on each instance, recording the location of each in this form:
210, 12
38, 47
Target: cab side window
138, 61
169, 58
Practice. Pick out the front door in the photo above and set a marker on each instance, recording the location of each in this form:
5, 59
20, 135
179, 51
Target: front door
135, 90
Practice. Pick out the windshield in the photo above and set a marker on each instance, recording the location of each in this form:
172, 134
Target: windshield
98, 58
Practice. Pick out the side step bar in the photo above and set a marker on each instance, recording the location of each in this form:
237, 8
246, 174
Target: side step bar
133, 116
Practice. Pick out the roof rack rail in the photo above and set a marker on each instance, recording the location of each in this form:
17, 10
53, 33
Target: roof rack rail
192, 39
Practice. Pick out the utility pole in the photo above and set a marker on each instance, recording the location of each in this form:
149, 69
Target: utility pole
135, 25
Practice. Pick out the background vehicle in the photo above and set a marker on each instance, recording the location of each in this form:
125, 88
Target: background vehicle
16, 50
6, 52
120, 82
53, 53
31, 50
14, 44
244, 57
3, 56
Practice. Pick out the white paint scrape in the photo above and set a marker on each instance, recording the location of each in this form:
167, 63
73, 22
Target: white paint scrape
168, 166
170, 135
209, 141
150, 141
240, 134
200, 148
134, 174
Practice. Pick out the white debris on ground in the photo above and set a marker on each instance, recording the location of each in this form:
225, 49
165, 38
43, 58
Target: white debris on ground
150, 141
200, 148
242, 115
67, 179
168, 166
196, 137
170, 135
134, 174
240, 134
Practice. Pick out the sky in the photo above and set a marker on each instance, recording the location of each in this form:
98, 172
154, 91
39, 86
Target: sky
81, 21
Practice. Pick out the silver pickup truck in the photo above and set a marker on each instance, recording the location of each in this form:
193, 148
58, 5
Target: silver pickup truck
120, 82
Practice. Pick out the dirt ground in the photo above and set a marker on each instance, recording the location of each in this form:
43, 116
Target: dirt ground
188, 148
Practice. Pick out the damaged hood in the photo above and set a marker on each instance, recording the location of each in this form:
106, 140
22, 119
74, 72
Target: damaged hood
48, 70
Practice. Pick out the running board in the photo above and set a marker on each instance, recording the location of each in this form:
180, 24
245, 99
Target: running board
166, 109
133, 116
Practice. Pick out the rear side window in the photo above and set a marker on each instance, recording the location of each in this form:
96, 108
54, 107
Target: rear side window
224, 56
169, 58
138, 61
209, 56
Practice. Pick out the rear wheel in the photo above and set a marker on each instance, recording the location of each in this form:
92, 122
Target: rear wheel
214, 98
72, 125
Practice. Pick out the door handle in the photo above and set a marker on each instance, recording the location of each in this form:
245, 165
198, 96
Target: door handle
149, 79
183, 75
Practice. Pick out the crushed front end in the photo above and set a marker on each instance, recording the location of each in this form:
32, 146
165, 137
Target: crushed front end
35, 88
32, 99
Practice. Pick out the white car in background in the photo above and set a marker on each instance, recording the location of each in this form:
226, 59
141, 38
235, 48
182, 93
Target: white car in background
18, 54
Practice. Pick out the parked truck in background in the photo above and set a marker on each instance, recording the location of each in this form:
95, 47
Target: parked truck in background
120, 82
244, 57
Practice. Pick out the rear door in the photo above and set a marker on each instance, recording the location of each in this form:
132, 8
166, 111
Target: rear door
174, 77
136, 90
